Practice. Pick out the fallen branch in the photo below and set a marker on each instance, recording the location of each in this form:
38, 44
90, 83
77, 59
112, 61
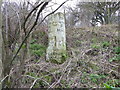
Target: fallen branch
55, 83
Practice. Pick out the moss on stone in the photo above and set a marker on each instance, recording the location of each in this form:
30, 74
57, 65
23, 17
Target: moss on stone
57, 60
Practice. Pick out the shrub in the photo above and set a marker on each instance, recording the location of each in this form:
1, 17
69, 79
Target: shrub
95, 46
117, 50
105, 44
37, 49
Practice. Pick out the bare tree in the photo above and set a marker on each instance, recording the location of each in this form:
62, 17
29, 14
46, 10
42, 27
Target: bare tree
1, 42
92, 13
79, 16
19, 22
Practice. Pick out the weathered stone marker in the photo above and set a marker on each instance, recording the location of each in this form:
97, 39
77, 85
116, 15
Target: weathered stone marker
56, 51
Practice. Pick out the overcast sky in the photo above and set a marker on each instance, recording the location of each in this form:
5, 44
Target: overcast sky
71, 3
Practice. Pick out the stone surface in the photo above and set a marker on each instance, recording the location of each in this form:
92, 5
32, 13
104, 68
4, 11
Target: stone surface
56, 50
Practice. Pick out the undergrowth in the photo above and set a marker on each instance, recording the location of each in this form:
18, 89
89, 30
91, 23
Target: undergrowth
82, 69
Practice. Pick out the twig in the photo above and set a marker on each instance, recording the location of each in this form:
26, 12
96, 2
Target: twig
41, 78
36, 81
9, 35
55, 83
31, 13
53, 11
7, 76
33, 83
46, 82
35, 25
4, 78
28, 76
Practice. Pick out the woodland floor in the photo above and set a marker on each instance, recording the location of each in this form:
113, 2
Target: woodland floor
92, 61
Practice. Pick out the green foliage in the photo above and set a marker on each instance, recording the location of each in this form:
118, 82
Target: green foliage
33, 41
36, 46
36, 60
23, 46
33, 74
40, 84
115, 58
113, 83
117, 54
100, 45
78, 42
38, 52
58, 74
65, 85
95, 77
48, 78
42, 33
37, 49
93, 66
117, 50
108, 86
64, 56
96, 46
8, 83
61, 60
94, 40
105, 44
83, 77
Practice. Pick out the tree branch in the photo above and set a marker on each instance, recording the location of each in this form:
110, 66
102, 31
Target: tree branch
42, 8
35, 23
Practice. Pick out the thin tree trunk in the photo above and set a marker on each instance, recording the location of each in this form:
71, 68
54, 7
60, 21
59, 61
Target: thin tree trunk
6, 52
1, 40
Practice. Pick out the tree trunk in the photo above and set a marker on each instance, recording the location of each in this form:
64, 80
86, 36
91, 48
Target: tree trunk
1, 40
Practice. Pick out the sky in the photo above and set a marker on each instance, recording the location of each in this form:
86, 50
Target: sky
56, 3
70, 2
53, 3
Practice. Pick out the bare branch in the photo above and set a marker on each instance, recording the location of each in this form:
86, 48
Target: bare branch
32, 12
42, 8
35, 23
